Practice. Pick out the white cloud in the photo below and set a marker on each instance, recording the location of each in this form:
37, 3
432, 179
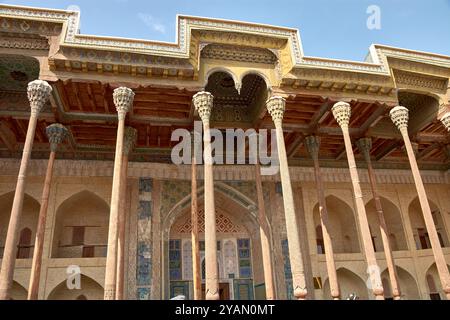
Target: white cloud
151, 22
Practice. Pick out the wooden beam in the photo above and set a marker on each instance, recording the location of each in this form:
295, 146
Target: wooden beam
318, 116
7, 135
77, 96
427, 150
372, 120
295, 145
388, 150
91, 97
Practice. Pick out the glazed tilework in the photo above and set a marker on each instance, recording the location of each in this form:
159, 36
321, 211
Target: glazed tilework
244, 255
246, 188
287, 268
144, 240
172, 193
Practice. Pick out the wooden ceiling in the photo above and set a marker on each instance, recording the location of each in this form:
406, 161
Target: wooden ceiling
87, 109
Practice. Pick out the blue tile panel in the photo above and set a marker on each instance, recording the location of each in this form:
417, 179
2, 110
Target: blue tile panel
145, 185
143, 265
145, 210
244, 256
143, 294
287, 268
175, 272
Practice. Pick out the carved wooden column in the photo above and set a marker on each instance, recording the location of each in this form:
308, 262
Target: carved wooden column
313, 145
276, 107
123, 100
264, 233
56, 134
38, 94
203, 102
130, 137
364, 145
196, 269
400, 117
342, 113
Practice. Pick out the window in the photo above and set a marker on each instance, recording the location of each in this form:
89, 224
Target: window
78, 236
23, 251
319, 240
88, 252
423, 239
434, 294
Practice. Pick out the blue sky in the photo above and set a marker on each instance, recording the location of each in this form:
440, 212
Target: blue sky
328, 28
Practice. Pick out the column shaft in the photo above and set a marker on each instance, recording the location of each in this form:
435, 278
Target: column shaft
428, 218
33, 290
328, 246
121, 230
211, 267
373, 268
295, 253
111, 258
196, 270
384, 234
10, 251
265, 236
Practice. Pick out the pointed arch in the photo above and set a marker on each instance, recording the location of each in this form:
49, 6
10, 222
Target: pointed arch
221, 70
90, 289
81, 226
419, 229
394, 224
342, 225
433, 283
349, 282
28, 221
408, 285
236, 196
259, 74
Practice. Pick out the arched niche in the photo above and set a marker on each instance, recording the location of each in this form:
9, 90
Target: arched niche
27, 225
394, 225
89, 289
422, 107
407, 283
16, 71
236, 102
419, 229
81, 227
349, 283
342, 226
433, 283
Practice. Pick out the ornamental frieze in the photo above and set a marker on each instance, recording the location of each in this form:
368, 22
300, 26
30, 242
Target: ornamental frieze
420, 81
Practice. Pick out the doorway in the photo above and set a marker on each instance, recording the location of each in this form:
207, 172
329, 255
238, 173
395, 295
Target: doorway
224, 291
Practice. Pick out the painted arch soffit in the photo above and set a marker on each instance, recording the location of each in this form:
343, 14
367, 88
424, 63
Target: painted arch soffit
193, 32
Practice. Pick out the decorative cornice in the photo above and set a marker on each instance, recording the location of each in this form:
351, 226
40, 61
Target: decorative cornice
92, 168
